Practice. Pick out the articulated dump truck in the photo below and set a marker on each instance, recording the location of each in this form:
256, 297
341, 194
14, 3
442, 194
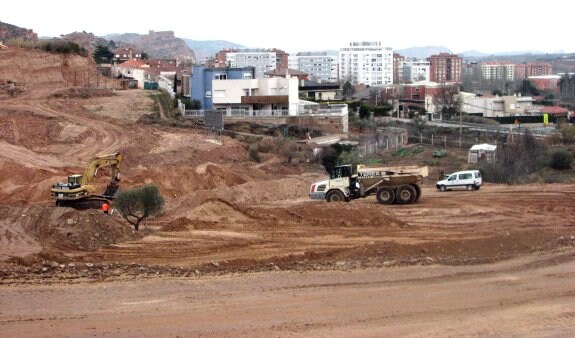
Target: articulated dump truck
390, 185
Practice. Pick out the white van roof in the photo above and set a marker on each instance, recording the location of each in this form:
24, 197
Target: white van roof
484, 146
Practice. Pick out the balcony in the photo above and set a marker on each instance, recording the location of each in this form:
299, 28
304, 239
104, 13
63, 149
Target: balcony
267, 99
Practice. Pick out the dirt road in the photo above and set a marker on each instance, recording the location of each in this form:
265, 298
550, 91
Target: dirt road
528, 296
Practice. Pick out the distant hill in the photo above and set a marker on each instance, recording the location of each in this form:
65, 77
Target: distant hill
160, 45
209, 48
422, 52
10, 32
475, 53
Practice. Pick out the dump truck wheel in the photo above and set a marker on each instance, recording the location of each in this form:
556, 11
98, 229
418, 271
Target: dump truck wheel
335, 196
405, 194
417, 192
385, 195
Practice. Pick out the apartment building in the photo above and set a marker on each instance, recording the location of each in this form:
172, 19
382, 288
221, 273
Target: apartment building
498, 70
318, 65
414, 70
445, 67
398, 60
524, 71
263, 60
367, 63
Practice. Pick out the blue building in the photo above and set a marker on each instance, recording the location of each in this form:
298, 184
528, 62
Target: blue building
202, 77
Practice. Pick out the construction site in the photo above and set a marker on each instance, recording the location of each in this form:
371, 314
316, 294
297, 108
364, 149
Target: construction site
240, 249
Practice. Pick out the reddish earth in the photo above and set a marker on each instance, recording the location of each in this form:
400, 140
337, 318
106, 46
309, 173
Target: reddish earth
241, 251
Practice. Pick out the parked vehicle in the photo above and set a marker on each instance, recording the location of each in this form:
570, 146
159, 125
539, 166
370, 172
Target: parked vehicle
469, 179
390, 185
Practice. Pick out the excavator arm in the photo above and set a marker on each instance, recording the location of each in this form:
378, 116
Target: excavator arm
112, 160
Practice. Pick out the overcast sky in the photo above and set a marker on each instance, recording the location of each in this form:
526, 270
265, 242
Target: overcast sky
311, 25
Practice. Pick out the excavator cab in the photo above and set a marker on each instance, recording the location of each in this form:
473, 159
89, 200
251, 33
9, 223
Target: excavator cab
74, 181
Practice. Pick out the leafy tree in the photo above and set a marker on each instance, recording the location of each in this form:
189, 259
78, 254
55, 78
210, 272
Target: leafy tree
447, 101
145, 56
363, 112
196, 104
176, 83
347, 89
527, 88
102, 54
567, 86
138, 204
112, 44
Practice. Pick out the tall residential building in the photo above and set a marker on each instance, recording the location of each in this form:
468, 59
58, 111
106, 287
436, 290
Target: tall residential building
446, 67
523, 71
263, 60
498, 71
398, 60
318, 65
366, 63
414, 70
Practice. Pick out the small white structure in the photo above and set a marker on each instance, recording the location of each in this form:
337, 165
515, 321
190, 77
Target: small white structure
482, 152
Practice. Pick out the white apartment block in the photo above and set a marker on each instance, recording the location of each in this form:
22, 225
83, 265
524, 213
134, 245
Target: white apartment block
319, 66
415, 71
366, 63
498, 71
262, 61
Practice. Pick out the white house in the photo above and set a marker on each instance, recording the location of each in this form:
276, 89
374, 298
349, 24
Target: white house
256, 97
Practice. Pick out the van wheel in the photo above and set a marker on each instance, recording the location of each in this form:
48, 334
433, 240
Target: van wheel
442, 188
335, 196
405, 194
477, 187
385, 195
470, 187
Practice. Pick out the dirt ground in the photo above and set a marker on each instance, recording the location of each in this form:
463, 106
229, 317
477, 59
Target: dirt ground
240, 250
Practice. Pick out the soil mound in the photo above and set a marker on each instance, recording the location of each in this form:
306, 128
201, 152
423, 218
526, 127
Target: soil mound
219, 211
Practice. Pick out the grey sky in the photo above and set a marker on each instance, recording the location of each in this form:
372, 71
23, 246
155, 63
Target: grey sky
298, 25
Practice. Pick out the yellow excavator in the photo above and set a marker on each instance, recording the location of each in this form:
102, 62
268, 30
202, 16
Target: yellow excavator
79, 193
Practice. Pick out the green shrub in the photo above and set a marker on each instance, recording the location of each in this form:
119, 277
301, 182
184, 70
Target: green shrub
560, 159
254, 152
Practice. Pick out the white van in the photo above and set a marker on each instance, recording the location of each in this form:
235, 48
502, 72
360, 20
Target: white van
469, 179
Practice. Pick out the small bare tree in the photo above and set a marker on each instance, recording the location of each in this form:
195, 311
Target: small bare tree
447, 100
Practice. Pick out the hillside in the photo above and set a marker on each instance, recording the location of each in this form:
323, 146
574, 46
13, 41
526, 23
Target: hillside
161, 45
9, 32
422, 52
208, 48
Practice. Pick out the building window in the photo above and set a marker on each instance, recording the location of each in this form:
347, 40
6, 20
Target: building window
221, 77
247, 76
208, 93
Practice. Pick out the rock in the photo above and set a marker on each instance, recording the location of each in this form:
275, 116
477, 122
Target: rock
62, 266
216, 264
54, 264
89, 265
341, 263
430, 259
71, 265
44, 269
197, 272
70, 221
277, 268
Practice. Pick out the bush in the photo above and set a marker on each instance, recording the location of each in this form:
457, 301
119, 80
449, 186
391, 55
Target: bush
515, 161
254, 152
560, 159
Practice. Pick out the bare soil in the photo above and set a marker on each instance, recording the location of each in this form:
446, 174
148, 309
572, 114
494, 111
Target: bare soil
240, 250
